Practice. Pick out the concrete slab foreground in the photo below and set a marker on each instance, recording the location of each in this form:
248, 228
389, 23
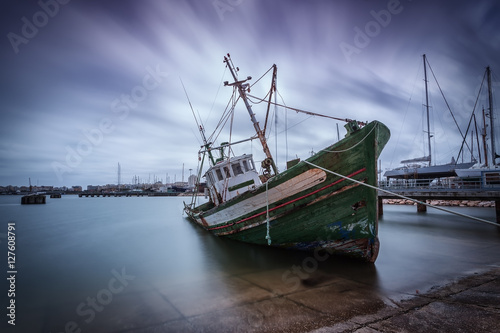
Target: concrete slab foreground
471, 304
468, 305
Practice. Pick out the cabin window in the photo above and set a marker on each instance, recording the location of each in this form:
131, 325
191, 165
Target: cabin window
250, 162
226, 171
219, 174
245, 165
237, 169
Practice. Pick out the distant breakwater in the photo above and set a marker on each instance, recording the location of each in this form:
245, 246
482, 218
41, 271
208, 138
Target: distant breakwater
454, 203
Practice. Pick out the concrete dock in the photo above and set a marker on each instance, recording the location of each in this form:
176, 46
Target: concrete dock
471, 304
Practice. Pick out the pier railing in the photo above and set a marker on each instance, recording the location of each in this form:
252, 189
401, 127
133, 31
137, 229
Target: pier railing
489, 181
484, 188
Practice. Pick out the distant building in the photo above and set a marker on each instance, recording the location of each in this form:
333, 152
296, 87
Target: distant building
192, 180
180, 184
12, 189
93, 188
42, 188
77, 188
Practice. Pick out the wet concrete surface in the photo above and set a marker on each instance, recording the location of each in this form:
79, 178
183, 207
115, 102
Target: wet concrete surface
471, 304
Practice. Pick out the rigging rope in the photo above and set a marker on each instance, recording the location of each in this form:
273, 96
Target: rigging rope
200, 168
472, 115
268, 236
447, 105
217, 94
309, 112
286, 124
406, 113
401, 196
260, 78
225, 117
344, 150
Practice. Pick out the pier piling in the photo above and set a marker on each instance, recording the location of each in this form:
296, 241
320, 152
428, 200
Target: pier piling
380, 207
33, 199
421, 208
497, 210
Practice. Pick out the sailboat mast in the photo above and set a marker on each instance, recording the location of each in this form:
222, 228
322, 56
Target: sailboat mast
241, 89
427, 108
492, 121
483, 134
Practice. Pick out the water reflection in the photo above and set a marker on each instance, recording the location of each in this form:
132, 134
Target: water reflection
252, 278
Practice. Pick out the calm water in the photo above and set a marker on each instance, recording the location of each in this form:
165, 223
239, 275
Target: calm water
73, 250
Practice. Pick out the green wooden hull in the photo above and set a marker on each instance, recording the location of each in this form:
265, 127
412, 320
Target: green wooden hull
307, 208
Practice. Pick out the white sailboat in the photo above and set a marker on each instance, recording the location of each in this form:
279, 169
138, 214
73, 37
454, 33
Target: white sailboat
422, 168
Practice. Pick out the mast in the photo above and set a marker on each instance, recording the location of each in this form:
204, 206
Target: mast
477, 140
472, 146
269, 102
242, 85
119, 176
427, 108
492, 122
483, 134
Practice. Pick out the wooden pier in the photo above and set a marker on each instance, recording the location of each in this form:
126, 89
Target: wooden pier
129, 194
122, 194
33, 199
449, 190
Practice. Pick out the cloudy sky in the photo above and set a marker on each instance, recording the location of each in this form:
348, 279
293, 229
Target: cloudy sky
86, 85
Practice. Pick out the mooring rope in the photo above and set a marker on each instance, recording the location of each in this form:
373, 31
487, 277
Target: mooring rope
344, 150
403, 197
268, 236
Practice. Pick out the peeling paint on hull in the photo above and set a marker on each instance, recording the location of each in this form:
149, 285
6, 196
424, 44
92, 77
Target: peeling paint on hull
308, 208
